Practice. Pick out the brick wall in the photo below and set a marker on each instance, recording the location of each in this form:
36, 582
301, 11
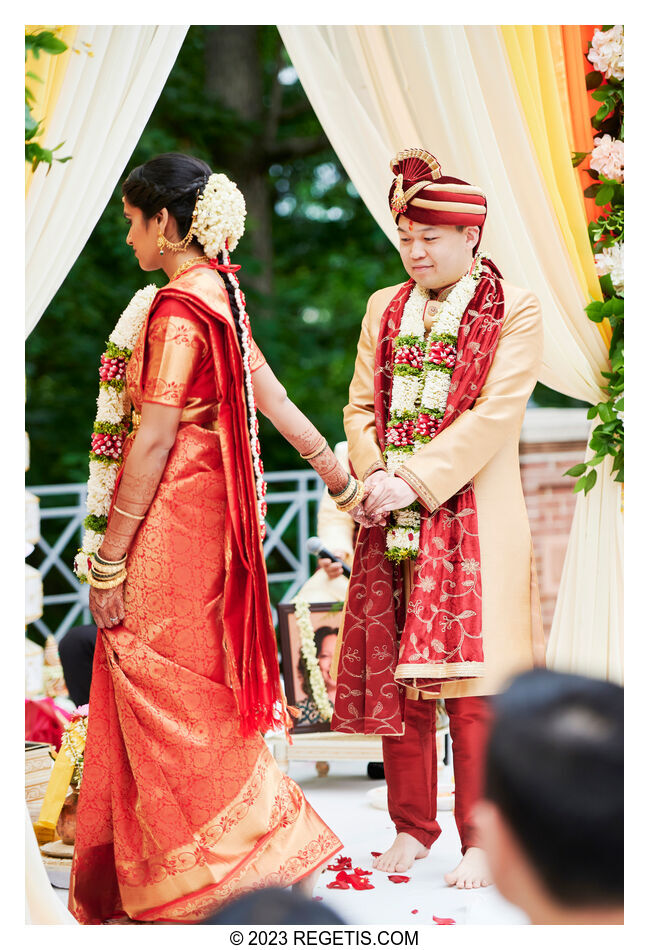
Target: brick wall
552, 441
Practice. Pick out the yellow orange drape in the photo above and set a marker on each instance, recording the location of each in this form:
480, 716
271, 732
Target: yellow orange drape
51, 70
543, 65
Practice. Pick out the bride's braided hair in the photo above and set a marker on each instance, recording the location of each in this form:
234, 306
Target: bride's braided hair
172, 181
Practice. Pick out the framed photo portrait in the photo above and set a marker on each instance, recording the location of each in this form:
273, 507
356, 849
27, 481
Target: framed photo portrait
308, 641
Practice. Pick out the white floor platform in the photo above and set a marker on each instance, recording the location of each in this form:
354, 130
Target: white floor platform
341, 799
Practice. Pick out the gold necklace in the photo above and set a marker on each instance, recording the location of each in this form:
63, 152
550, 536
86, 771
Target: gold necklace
187, 265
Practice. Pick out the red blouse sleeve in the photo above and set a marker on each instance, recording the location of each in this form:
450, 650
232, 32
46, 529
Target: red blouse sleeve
175, 345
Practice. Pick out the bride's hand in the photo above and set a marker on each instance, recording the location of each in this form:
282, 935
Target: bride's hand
107, 606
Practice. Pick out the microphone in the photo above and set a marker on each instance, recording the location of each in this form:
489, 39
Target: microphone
315, 546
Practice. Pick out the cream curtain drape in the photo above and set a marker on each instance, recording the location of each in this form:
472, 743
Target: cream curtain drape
377, 89
103, 105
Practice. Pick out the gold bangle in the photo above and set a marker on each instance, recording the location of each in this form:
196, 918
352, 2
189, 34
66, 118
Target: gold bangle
104, 575
101, 560
348, 494
128, 514
312, 455
341, 493
355, 499
107, 585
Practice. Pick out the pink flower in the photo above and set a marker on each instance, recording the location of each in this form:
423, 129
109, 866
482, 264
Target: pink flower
608, 157
607, 52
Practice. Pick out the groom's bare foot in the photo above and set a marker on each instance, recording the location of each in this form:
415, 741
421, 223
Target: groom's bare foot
472, 871
401, 855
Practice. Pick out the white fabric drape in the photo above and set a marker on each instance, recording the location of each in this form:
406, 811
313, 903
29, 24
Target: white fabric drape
103, 106
377, 89
42, 906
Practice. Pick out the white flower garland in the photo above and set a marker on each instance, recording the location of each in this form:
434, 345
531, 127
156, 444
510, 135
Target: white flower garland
111, 424
310, 656
420, 385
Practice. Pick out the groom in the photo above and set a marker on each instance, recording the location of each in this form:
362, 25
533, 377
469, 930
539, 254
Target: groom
442, 598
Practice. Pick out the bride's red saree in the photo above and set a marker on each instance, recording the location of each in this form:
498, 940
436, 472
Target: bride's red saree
182, 806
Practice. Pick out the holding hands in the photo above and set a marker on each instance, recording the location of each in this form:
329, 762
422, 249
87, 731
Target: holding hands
383, 494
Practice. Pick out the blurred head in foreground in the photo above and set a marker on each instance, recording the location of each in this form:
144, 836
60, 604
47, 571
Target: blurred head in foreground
275, 907
551, 820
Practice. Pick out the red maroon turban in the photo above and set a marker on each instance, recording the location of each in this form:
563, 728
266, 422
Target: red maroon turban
421, 192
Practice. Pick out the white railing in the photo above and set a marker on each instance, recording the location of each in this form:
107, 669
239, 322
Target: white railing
292, 508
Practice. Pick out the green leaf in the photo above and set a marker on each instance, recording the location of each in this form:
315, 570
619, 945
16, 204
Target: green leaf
31, 75
578, 157
576, 470
597, 459
591, 191
601, 95
604, 195
31, 125
50, 44
606, 284
619, 405
602, 112
591, 478
592, 412
580, 484
593, 79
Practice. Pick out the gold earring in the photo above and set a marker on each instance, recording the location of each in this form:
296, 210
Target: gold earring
161, 241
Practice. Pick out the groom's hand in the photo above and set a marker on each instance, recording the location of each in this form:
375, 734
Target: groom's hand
387, 494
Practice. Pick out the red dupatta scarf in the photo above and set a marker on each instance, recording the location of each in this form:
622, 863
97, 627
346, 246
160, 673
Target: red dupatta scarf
249, 634
441, 625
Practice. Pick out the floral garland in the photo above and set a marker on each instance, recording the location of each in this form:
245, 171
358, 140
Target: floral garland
420, 386
606, 167
111, 424
308, 651
73, 743
253, 422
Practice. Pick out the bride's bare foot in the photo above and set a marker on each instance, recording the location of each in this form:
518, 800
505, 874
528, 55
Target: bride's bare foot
401, 855
472, 871
306, 886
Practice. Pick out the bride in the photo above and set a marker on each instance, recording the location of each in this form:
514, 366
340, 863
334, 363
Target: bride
182, 807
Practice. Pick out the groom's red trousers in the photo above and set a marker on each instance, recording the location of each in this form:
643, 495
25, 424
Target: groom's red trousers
410, 763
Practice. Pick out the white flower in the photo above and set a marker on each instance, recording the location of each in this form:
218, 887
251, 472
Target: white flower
436, 387
610, 260
220, 215
130, 323
607, 52
397, 458
607, 157
407, 518
405, 393
92, 541
407, 538
412, 318
112, 405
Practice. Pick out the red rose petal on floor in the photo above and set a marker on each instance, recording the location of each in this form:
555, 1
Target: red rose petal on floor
361, 884
412, 911
361, 871
319, 898
443, 920
376, 854
338, 885
398, 878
